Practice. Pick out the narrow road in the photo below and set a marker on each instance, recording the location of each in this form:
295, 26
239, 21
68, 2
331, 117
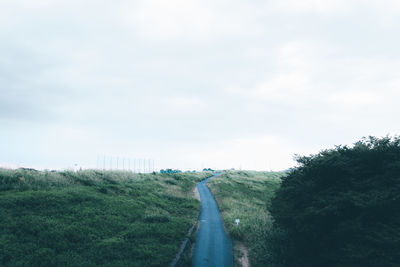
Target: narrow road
213, 246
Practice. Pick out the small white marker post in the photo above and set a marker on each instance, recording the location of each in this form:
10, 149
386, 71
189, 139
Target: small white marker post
237, 221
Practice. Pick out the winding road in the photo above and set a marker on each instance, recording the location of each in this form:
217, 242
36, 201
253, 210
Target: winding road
213, 246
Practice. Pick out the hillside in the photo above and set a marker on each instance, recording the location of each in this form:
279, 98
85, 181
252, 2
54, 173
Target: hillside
94, 218
246, 195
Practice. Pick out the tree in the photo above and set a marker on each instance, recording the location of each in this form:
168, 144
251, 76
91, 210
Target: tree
341, 207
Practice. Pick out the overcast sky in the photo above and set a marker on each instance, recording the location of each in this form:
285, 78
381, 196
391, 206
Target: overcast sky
194, 83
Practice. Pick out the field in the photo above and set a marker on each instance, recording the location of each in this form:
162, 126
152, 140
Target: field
94, 218
246, 195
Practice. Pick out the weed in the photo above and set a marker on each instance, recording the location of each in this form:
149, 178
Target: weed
246, 195
94, 218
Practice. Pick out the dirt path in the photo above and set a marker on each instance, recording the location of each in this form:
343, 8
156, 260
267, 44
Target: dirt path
241, 255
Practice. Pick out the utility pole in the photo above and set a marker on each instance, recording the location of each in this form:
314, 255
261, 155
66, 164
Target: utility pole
104, 163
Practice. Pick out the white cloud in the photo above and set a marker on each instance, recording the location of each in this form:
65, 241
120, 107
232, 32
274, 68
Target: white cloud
356, 98
260, 152
297, 55
325, 7
170, 19
183, 104
386, 6
292, 78
150, 74
283, 87
194, 20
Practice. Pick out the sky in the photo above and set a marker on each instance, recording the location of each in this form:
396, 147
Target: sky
194, 83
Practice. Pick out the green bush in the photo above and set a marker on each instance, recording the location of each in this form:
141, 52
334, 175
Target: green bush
341, 207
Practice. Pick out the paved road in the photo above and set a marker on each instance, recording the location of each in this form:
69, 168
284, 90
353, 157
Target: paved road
213, 246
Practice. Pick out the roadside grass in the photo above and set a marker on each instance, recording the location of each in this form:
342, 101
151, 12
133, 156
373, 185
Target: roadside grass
246, 195
94, 218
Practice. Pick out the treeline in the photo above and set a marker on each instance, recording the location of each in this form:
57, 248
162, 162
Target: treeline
340, 207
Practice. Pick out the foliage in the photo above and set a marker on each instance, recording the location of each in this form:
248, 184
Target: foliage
246, 195
170, 171
94, 218
341, 207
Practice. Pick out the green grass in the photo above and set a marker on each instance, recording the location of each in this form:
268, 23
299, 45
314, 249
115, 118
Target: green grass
246, 195
94, 218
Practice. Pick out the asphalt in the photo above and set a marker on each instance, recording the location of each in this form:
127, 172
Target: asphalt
213, 246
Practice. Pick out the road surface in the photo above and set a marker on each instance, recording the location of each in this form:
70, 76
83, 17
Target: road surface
213, 246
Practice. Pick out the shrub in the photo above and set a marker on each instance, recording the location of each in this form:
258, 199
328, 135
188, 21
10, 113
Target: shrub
341, 207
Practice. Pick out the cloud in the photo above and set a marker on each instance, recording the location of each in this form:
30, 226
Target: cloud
184, 104
195, 80
257, 152
325, 7
356, 98
291, 79
191, 21
171, 19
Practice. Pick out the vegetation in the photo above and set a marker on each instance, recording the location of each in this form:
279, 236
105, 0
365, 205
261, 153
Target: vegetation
94, 218
341, 207
170, 171
246, 195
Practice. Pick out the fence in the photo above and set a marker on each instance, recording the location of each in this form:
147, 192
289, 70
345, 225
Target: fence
136, 165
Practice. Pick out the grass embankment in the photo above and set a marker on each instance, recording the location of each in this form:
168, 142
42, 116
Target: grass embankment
246, 195
92, 218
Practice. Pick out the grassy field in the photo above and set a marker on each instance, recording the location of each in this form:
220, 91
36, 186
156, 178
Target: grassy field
94, 218
246, 195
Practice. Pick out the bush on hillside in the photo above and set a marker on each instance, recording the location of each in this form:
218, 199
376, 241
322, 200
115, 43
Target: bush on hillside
341, 207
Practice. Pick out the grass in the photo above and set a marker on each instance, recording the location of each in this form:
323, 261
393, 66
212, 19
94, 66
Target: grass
246, 195
94, 218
